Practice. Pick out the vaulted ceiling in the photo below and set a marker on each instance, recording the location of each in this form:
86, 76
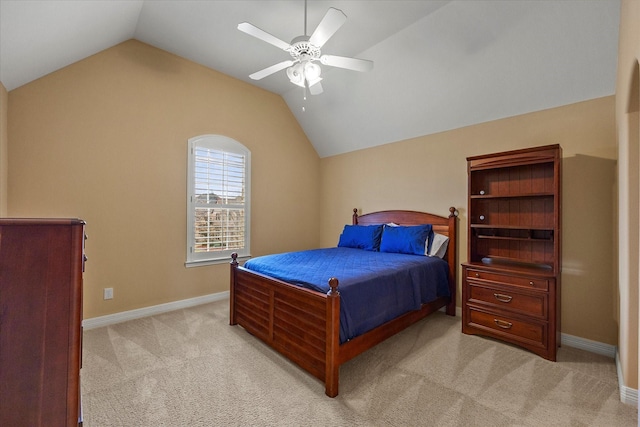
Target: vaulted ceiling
439, 65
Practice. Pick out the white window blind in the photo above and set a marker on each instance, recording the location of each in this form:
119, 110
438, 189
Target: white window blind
218, 205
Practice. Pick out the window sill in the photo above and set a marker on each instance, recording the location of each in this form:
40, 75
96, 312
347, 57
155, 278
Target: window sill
205, 262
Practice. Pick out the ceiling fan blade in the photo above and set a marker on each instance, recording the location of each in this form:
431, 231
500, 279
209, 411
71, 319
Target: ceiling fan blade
256, 32
316, 89
270, 70
331, 22
354, 64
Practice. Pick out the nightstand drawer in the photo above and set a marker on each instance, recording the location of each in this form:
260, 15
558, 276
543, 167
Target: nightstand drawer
529, 304
506, 279
526, 332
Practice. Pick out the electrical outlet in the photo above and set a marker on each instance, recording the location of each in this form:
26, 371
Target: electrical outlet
108, 293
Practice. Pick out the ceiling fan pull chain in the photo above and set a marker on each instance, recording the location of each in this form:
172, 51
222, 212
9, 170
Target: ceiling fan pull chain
304, 97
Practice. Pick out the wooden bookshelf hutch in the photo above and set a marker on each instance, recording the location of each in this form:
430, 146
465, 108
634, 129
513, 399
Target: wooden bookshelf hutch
511, 282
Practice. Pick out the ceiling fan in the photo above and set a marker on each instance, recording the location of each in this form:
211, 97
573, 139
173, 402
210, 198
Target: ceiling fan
303, 69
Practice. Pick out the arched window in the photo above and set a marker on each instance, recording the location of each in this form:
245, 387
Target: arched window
218, 199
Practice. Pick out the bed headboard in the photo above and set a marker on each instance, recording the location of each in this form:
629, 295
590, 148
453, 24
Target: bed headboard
441, 224
446, 225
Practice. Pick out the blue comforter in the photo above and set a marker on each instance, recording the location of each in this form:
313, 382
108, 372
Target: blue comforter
375, 287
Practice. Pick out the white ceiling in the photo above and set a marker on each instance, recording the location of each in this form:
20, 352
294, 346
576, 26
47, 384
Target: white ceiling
439, 65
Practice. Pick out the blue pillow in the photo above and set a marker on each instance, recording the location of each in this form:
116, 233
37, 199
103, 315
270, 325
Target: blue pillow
406, 239
365, 237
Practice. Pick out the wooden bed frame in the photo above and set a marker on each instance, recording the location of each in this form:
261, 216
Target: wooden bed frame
304, 325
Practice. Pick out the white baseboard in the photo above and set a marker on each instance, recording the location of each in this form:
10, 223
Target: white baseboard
628, 395
110, 319
588, 345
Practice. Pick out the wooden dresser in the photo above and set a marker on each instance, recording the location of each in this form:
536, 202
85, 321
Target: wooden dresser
511, 282
41, 267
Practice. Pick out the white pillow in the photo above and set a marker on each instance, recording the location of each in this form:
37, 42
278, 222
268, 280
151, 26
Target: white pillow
439, 245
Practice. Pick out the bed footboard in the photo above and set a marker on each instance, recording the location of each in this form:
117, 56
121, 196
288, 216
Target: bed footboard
301, 324
304, 325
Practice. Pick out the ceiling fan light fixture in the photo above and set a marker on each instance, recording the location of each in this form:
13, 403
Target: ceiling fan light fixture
296, 74
304, 73
312, 72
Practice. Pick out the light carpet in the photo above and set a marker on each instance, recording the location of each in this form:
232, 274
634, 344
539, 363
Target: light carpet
190, 368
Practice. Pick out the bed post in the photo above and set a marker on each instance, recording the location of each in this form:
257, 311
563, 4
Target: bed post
232, 289
332, 365
354, 217
451, 259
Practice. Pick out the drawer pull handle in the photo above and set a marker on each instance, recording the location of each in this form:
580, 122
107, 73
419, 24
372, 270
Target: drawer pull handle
503, 297
477, 275
531, 283
503, 324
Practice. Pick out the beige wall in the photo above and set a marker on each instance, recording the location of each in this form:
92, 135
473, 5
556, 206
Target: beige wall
105, 139
628, 125
430, 173
4, 141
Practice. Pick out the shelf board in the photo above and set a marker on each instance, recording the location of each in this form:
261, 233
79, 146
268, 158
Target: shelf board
511, 227
511, 196
524, 239
499, 264
514, 261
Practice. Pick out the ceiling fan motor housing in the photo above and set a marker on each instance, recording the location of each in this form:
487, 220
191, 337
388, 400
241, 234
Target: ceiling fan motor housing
301, 49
